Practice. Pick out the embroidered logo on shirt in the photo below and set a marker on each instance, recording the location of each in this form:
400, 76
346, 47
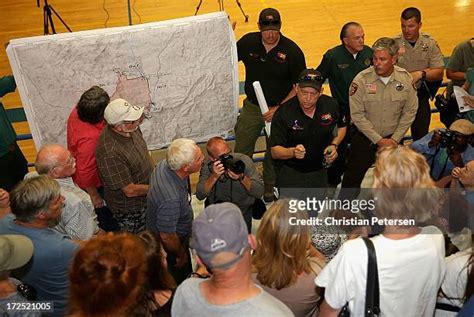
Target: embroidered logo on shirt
296, 126
326, 119
342, 66
371, 88
281, 57
367, 62
354, 88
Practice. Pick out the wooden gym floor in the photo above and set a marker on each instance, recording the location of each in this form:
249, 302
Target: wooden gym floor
313, 25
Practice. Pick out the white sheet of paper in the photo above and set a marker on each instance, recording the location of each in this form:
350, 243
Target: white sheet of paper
460, 93
262, 102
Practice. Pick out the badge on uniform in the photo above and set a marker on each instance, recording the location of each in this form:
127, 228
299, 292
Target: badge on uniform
399, 87
424, 47
326, 119
281, 56
367, 62
353, 89
371, 88
296, 126
342, 66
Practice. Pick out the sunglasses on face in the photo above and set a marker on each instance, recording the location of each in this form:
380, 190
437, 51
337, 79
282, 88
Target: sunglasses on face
311, 78
272, 22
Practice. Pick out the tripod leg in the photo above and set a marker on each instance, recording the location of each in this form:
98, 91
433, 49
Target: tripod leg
45, 22
242, 10
60, 19
50, 18
198, 7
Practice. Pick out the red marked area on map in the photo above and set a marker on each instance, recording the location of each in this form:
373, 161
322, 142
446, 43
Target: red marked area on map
135, 90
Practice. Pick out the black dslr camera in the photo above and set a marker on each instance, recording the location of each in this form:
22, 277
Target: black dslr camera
229, 163
448, 139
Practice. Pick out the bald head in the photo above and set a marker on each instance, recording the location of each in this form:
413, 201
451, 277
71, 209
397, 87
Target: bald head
55, 160
217, 146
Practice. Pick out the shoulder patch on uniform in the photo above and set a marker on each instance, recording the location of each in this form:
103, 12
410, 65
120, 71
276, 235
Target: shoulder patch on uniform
367, 62
353, 89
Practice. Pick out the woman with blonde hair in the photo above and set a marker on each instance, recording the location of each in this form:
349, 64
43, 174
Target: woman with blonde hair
285, 263
410, 258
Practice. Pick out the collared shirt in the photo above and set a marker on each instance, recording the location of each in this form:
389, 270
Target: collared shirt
229, 190
438, 158
276, 70
380, 110
340, 67
78, 219
461, 59
7, 133
122, 161
82, 140
169, 203
425, 54
291, 126
48, 272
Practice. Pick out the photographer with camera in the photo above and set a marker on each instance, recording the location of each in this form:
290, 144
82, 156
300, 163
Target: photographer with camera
446, 149
229, 177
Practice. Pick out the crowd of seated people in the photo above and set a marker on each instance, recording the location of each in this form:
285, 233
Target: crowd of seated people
101, 230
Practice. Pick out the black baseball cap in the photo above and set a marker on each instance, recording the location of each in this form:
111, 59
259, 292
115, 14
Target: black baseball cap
269, 19
310, 78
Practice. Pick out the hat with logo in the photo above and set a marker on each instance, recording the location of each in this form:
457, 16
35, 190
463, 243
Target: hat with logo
220, 228
462, 126
269, 19
310, 78
15, 251
120, 110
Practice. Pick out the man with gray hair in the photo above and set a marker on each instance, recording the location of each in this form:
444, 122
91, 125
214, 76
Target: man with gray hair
78, 219
124, 164
340, 65
36, 205
169, 210
383, 105
223, 246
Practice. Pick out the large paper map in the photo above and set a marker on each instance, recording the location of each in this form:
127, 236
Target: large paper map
183, 71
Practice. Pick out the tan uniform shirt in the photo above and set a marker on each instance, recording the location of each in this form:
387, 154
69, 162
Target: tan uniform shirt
425, 54
380, 110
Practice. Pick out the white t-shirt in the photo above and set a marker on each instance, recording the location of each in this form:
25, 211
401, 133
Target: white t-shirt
454, 283
410, 274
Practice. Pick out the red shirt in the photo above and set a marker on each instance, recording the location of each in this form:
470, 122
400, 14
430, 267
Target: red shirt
82, 140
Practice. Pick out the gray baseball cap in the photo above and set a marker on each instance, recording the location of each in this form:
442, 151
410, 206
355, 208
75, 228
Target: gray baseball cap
220, 228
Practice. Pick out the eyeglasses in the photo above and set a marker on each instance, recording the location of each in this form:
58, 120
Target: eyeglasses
271, 22
311, 77
70, 161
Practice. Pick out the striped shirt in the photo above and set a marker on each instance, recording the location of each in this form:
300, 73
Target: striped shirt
168, 208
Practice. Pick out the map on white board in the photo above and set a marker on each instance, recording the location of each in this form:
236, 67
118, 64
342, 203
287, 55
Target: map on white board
183, 71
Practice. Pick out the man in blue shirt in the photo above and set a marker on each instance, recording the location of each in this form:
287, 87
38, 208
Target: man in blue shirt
36, 206
447, 149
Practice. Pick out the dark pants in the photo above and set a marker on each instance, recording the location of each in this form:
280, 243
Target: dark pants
13, 167
362, 156
105, 217
182, 273
294, 184
421, 125
247, 130
337, 169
